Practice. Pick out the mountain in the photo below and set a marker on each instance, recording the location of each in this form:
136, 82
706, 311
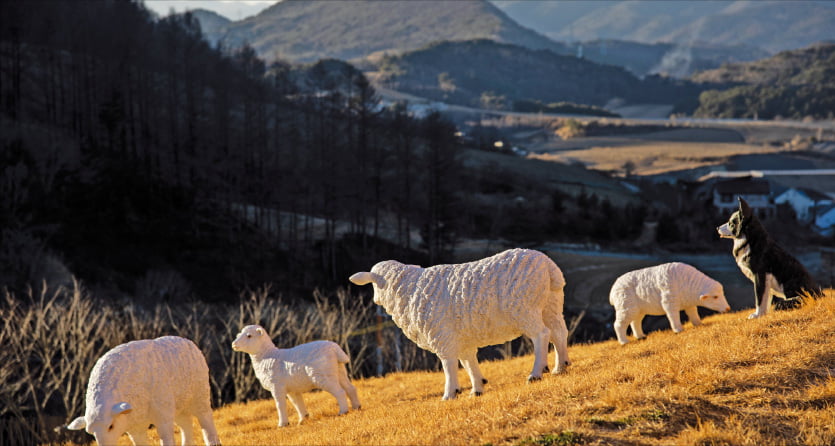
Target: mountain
304, 31
793, 84
211, 23
772, 25
488, 74
665, 58
814, 64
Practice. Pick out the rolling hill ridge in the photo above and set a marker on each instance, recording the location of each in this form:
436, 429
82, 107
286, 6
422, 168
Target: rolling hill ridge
303, 31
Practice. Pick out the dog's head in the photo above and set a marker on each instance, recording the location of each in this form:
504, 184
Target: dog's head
739, 219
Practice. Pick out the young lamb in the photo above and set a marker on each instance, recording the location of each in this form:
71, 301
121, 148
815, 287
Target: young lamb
452, 310
663, 289
159, 381
290, 372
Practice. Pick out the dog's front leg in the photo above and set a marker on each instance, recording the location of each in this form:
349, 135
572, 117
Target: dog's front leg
762, 296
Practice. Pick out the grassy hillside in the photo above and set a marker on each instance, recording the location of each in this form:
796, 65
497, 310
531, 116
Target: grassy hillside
731, 381
306, 31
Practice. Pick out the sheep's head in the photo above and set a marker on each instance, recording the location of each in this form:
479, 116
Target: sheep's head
374, 277
252, 339
714, 298
107, 426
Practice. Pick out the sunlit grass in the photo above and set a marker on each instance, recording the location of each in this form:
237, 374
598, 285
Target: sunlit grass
730, 381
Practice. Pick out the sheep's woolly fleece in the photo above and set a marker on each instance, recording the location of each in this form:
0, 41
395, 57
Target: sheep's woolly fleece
455, 308
649, 287
157, 377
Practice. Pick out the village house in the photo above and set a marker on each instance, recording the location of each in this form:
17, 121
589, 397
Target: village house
804, 201
755, 191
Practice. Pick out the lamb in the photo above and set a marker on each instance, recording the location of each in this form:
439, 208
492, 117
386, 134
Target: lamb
452, 310
663, 289
159, 381
290, 372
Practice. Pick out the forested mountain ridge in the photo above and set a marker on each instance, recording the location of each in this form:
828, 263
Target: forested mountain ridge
771, 25
793, 84
488, 74
305, 31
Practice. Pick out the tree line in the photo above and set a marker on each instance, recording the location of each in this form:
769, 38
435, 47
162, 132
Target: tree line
144, 146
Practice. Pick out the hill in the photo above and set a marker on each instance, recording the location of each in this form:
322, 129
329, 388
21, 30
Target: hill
665, 58
793, 84
305, 31
493, 75
211, 23
771, 25
729, 381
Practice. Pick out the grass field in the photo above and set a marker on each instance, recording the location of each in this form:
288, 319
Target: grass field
731, 381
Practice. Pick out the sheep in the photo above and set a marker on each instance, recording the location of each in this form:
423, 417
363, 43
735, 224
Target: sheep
159, 381
452, 310
663, 289
290, 372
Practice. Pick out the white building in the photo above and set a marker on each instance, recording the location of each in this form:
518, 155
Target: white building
804, 201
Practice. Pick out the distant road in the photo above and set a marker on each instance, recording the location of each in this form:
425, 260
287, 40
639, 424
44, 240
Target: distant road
653, 109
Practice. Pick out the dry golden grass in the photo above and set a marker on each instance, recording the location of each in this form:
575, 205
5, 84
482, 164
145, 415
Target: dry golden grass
731, 381
656, 157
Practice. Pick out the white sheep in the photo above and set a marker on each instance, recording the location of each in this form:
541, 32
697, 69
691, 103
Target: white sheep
159, 381
292, 371
452, 310
663, 289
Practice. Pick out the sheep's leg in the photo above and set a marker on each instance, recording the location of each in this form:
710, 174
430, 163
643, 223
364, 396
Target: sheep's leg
207, 425
693, 315
341, 397
165, 430
637, 325
622, 321
280, 397
673, 315
349, 388
186, 425
139, 437
539, 335
450, 365
559, 337
298, 402
470, 362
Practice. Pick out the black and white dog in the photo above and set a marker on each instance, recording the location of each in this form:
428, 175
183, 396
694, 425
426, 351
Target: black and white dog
773, 270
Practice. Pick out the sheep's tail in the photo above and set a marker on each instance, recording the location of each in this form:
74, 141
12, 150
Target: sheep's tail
341, 356
557, 279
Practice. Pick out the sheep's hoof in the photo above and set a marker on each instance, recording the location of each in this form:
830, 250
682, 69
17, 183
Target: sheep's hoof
477, 393
484, 380
546, 369
457, 391
532, 378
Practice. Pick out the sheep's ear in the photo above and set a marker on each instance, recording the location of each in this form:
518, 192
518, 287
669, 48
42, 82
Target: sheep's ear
77, 424
707, 296
260, 331
365, 277
120, 408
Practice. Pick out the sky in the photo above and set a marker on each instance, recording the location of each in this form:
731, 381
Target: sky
231, 9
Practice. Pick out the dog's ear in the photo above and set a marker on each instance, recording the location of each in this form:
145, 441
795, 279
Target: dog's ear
744, 209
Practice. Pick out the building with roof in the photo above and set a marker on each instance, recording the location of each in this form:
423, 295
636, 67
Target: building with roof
755, 191
804, 201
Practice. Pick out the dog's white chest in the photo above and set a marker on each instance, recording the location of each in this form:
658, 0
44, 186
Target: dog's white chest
742, 257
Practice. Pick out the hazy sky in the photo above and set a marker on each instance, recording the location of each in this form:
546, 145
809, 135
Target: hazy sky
231, 9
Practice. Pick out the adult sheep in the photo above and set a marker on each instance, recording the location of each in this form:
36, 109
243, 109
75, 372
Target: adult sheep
663, 289
159, 381
452, 310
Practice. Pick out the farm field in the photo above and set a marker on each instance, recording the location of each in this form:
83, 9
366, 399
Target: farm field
729, 381
650, 156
